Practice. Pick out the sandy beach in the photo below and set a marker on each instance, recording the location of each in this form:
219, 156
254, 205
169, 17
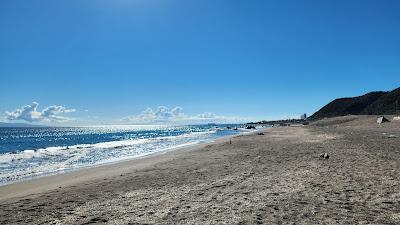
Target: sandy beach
275, 178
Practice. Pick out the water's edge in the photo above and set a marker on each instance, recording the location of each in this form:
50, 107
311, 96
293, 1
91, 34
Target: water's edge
188, 146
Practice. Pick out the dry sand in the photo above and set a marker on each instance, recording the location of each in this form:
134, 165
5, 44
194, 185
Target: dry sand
276, 178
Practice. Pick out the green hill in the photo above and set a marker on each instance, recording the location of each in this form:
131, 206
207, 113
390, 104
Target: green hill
373, 103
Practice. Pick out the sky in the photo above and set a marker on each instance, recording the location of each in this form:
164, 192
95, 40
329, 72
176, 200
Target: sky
190, 61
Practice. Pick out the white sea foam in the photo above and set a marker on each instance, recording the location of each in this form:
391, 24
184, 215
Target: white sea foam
58, 150
31, 163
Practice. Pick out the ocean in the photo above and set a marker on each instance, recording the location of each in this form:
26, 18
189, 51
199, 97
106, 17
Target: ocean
26, 153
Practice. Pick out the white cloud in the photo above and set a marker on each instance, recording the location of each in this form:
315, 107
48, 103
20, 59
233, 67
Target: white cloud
206, 115
165, 115
30, 113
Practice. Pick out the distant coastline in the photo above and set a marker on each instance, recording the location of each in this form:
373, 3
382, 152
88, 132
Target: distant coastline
3, 124
373, 103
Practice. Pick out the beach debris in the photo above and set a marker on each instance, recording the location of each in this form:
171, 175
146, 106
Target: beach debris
396, 118
382, 119
250, 127
324, 155
260, 133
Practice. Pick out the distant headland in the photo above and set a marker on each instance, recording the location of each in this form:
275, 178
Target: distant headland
373, 103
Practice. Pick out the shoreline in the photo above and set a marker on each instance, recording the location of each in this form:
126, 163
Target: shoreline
70, 177
275, 178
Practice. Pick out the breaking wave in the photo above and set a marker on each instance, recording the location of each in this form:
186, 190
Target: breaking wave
126, 144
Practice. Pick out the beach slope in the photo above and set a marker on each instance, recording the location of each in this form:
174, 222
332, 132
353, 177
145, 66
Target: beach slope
274, 178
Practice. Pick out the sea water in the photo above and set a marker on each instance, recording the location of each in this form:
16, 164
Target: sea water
26, 153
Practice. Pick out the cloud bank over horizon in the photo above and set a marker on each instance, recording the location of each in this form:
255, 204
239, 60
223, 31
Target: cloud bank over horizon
29, 113
160, 115
175, 115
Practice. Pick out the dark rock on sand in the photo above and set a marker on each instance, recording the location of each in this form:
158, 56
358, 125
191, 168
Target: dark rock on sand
382, 119
324, 155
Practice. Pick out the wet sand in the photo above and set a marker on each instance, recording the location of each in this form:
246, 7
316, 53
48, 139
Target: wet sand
276, 178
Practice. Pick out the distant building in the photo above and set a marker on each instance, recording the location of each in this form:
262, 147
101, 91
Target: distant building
303, 117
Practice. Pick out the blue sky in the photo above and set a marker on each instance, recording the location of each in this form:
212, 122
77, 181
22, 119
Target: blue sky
92, 62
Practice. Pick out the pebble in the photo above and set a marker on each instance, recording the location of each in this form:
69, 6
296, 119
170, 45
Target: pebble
324, 155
